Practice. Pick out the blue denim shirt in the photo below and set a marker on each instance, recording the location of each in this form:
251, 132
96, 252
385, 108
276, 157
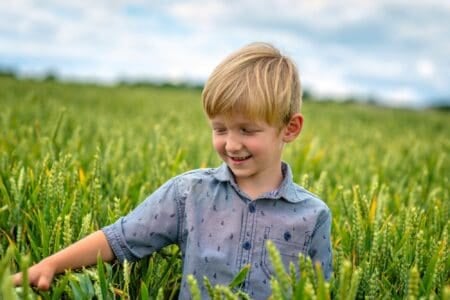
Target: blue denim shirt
219, 229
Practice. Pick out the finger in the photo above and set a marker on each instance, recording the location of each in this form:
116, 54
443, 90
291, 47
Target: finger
44, 283
17, 279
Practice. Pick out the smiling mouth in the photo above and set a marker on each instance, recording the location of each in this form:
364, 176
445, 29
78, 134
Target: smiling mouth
239, 158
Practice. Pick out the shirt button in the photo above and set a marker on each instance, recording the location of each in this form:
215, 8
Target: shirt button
251, 207
247, 245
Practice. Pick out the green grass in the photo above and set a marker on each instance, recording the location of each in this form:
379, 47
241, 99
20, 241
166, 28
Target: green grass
74, 158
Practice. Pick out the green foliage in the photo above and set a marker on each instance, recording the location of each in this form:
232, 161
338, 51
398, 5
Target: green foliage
74, 158
219, 291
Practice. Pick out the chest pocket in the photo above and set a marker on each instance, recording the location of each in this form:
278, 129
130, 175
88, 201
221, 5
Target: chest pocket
288, 250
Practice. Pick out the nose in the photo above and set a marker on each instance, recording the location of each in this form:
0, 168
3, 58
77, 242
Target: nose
233, 143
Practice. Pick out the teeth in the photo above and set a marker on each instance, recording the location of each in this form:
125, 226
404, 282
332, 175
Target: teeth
239, 157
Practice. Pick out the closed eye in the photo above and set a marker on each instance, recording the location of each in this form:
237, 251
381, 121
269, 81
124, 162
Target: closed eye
249, 131
219, 130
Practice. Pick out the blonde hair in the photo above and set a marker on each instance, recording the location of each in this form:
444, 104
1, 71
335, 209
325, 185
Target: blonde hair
257, 81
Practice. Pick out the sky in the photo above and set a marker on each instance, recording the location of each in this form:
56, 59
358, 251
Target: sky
397, 52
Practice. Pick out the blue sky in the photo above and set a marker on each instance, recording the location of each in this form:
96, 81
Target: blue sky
395, 51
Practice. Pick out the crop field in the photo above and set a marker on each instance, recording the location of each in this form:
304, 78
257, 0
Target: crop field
75, 157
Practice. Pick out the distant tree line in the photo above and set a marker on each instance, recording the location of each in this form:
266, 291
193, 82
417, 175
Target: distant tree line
442, 104
7, 72
161, 84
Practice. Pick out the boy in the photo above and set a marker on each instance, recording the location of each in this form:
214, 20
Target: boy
221, 218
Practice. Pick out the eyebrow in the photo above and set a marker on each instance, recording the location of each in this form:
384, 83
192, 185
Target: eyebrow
215, 123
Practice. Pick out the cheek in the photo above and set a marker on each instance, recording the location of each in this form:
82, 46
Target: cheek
217, 143
255, 146
263, 145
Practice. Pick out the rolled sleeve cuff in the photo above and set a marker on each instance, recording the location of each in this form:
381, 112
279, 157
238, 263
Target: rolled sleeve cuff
117, 243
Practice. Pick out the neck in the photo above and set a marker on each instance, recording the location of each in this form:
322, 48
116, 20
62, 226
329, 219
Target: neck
255, 187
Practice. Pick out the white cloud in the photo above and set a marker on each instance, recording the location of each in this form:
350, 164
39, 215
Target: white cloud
395, 49
402, 96
425, 68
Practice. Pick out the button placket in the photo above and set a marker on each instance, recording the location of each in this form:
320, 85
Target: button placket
252, 207
247, 238
247, 245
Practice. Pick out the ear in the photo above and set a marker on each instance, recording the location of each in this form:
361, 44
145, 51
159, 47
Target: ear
293, 128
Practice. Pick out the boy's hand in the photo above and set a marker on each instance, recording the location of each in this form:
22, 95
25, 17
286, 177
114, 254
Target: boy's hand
80, 254
40, 275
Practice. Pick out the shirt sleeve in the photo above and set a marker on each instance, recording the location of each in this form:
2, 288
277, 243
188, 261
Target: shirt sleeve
151, 226
320, 249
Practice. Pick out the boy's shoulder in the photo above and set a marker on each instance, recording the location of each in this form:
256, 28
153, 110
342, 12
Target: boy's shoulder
201, 175
197, 180
300, 195
220, 173
297, 194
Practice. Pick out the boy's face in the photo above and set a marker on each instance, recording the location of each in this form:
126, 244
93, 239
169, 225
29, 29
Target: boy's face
251, 149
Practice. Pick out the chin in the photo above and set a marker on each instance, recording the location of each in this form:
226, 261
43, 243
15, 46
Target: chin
238, 173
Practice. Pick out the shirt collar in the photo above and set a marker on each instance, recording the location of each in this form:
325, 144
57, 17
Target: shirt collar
286, 191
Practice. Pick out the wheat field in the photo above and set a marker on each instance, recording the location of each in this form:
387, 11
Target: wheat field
75, 157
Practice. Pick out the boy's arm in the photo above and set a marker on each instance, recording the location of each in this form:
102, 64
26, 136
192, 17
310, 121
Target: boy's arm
81, 253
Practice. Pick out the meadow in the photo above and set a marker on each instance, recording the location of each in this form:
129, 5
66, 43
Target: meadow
75, 157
